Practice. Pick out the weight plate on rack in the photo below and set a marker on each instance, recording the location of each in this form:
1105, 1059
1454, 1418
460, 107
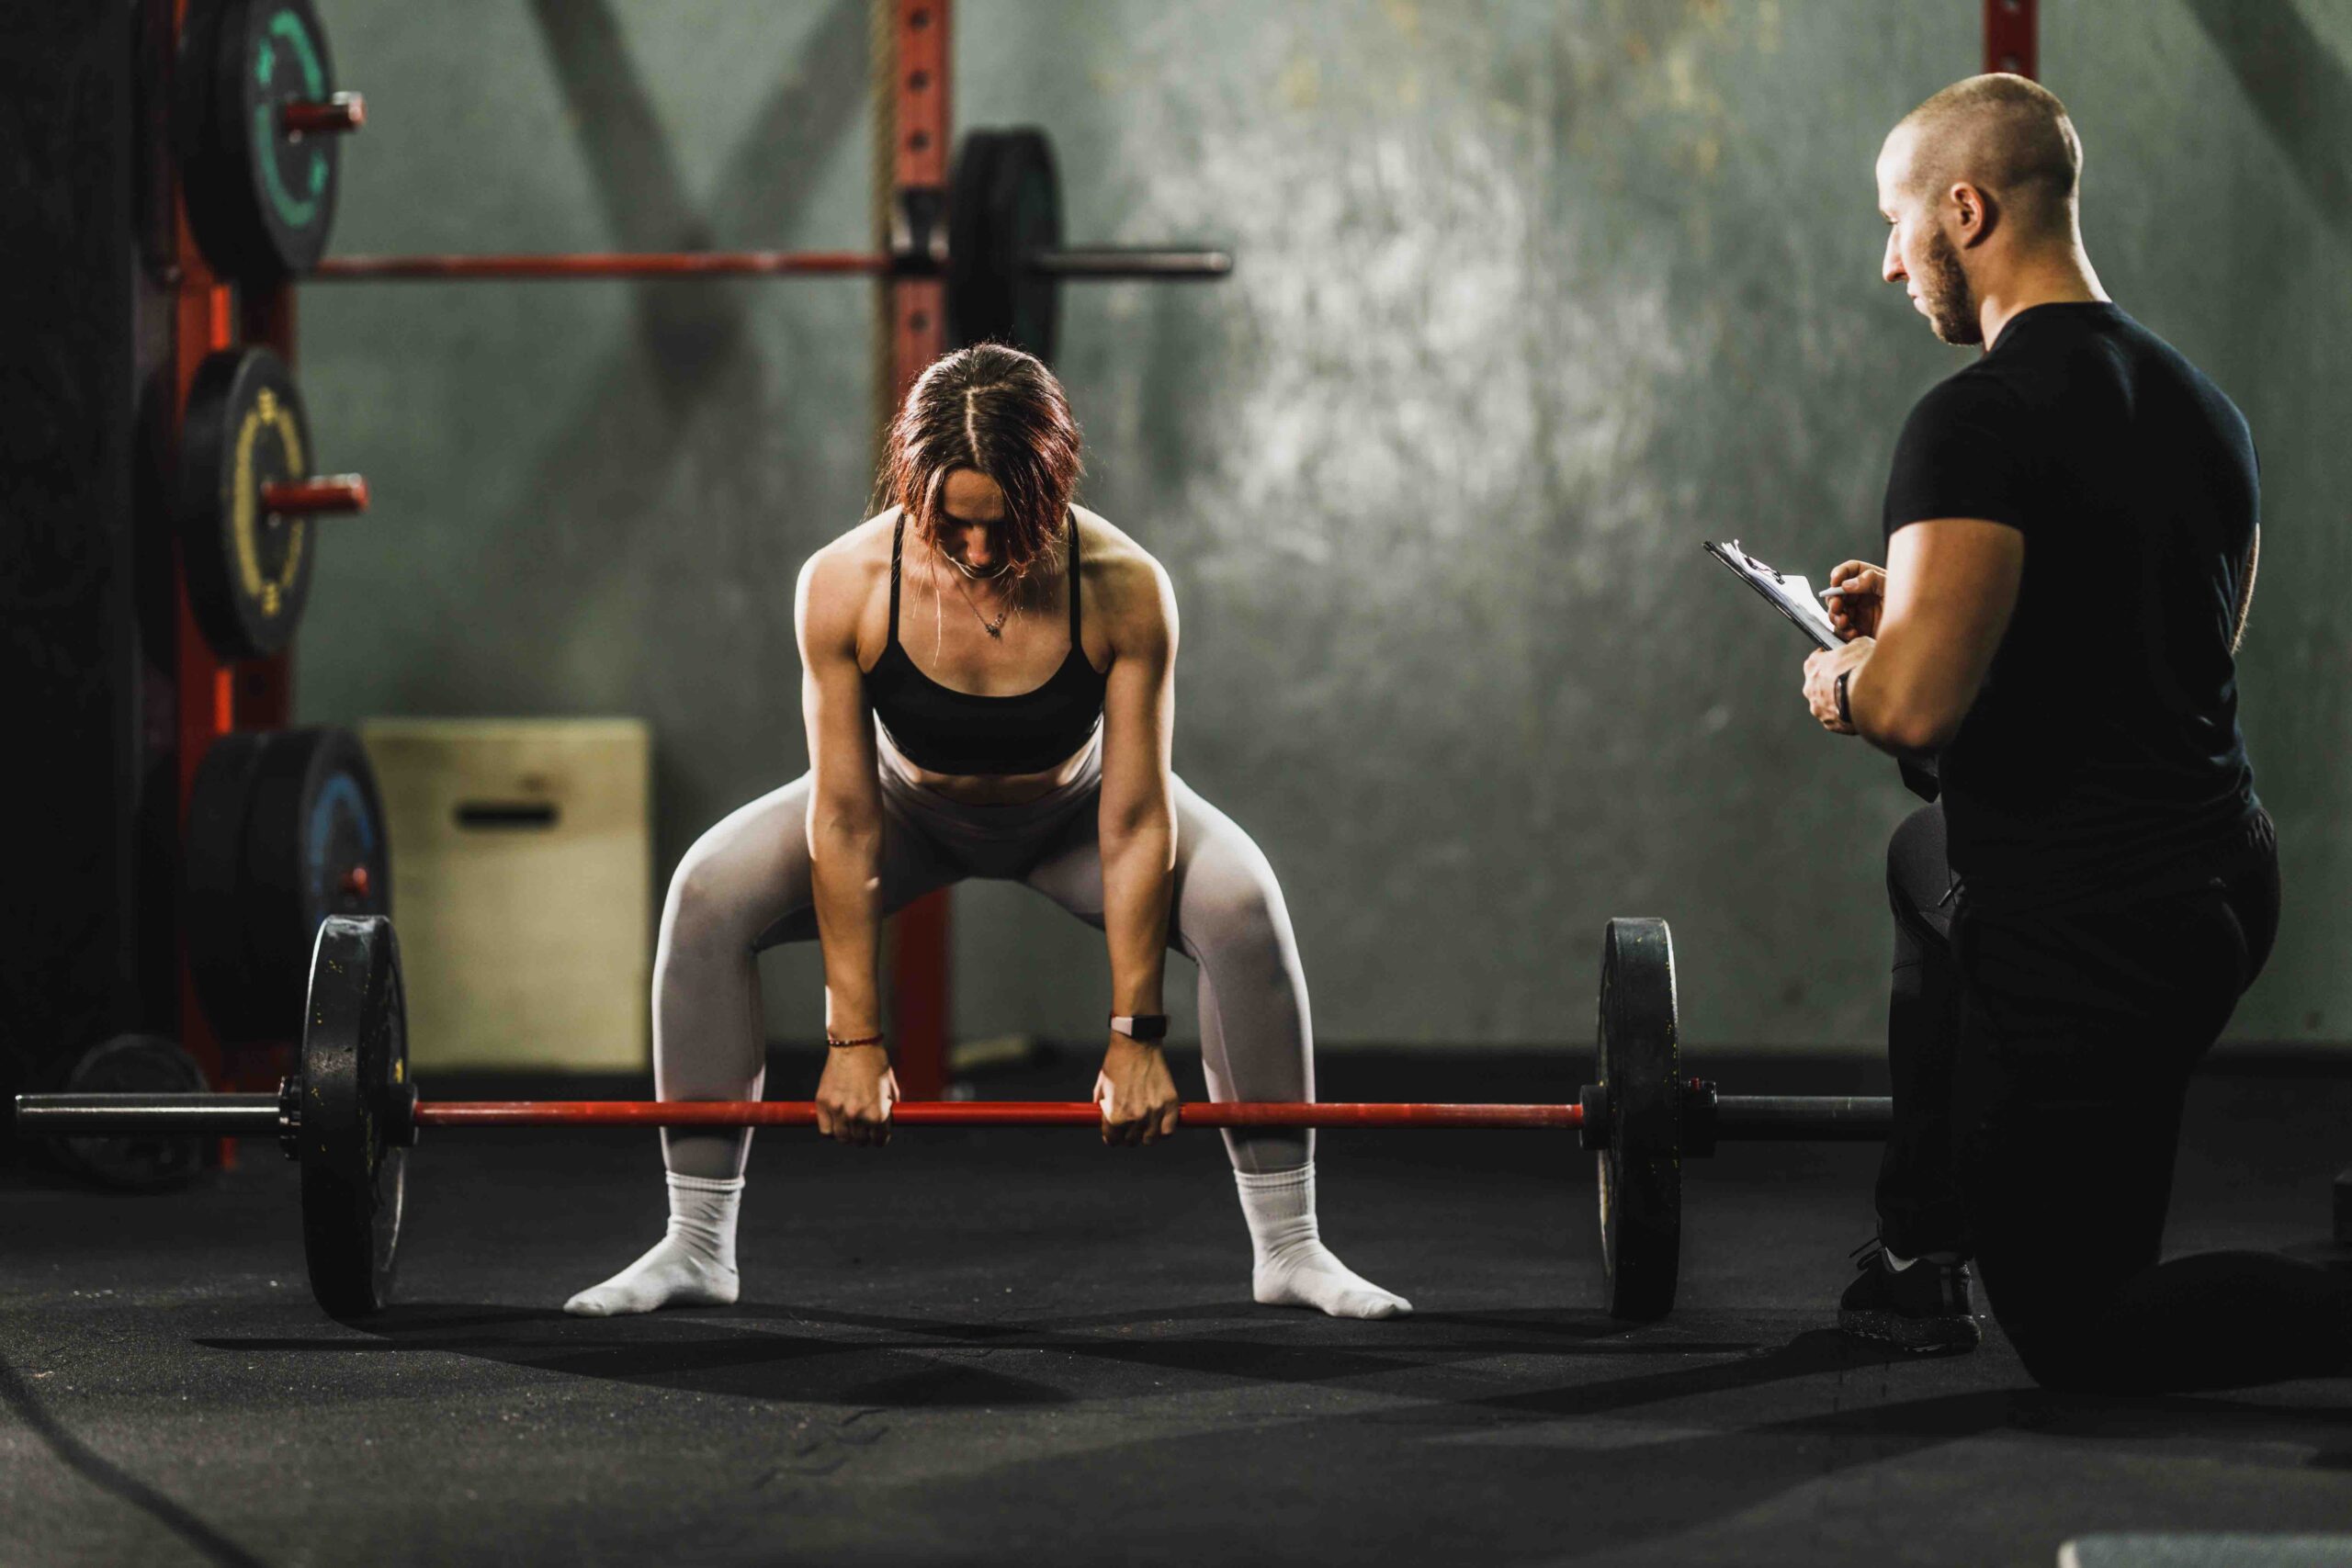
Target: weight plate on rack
1640, 1063
352, 1145
1005, 205
135, 1162
248, 569
260, 198
285, 829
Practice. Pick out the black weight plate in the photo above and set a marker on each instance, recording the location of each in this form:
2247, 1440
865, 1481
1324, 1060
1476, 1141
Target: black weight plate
355, 1165
1640, 1061
260, 200
213, 851
977, 291
135, 1162
285, 829
248, 569
1004, 207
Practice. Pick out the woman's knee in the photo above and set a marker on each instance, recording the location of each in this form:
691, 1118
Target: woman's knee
1231, 905
707, 902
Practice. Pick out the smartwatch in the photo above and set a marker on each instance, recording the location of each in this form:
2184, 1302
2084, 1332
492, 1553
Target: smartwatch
1143, 1028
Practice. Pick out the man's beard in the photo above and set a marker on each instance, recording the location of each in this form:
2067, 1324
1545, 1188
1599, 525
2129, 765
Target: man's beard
1951, 303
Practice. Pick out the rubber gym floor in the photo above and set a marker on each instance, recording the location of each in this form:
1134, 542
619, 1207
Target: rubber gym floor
984, 1347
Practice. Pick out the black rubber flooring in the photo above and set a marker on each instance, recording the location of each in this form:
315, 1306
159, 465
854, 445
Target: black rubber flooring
1018, 1346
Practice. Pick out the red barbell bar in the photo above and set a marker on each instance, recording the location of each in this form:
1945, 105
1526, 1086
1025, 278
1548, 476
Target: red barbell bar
977, 1113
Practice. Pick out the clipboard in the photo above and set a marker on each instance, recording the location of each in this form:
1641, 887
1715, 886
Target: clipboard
1792, 596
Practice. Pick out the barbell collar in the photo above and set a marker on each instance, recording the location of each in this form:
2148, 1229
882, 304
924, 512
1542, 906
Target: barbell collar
114, 1116
1802, 1117
1163, 265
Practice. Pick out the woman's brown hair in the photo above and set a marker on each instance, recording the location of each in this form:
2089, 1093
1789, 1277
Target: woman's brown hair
1001, 413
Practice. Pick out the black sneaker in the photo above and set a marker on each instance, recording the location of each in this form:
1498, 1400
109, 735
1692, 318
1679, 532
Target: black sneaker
1923, 1310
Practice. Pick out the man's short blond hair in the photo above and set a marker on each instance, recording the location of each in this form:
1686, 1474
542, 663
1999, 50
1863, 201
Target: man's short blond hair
2005, 134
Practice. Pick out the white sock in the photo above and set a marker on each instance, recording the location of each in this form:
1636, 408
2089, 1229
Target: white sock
1291, 1266
1895, 1265
691, 1265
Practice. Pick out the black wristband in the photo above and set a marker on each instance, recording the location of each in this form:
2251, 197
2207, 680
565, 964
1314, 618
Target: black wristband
835, 1045
1143, 1028
1845, 712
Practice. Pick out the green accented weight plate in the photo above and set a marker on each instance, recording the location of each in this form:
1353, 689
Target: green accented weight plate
285, 829
260, 198
1641, 1164
353, 1144
1004, 207
248, 569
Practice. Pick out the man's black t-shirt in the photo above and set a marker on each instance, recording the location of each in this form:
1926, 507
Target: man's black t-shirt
2104, 747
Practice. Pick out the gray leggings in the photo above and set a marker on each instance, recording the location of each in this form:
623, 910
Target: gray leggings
745, 885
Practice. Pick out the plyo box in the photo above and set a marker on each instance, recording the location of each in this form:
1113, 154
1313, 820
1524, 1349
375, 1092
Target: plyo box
522, 889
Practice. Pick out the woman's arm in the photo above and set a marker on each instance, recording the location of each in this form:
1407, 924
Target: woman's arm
1136, 830
845, 850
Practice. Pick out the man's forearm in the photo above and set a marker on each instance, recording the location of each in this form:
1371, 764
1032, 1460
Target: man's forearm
1893, 708
845, 863
1138, 875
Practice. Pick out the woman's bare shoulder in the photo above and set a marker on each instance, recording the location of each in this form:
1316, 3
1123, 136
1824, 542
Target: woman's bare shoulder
840, 579
1122, 577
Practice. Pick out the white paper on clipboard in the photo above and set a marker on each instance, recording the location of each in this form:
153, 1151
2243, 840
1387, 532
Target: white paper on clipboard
1789, 594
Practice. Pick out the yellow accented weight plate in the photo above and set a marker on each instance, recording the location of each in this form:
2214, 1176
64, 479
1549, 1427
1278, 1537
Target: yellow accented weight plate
248, 568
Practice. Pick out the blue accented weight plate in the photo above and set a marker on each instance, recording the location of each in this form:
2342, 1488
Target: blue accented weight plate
285, 829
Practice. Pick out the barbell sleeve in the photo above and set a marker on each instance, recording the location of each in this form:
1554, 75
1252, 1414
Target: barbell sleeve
112, 1115
1804, 1118
337, 116
324, 495
1113, 262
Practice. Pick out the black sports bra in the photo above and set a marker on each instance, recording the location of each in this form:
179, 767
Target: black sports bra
943, 730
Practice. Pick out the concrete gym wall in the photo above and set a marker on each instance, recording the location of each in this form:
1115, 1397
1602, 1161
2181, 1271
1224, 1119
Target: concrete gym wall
1532, 298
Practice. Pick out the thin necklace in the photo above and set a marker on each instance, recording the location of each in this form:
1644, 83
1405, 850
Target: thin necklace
994, 628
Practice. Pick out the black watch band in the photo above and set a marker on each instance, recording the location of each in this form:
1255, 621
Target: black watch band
1143, 1028
1845, 713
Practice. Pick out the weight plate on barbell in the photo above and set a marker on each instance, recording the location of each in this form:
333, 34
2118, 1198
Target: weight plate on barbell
1004, 207
260, 198
1641, 1167
141, 1161
248, 569
286, 828
354, 1161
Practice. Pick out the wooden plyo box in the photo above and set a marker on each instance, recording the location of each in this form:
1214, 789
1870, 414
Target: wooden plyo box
522, 889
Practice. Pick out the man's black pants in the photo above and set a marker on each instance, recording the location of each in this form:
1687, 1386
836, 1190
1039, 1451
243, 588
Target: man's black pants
2040, 1061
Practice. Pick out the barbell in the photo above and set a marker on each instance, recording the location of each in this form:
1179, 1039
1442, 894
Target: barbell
258, 117
350, 1115
994, 236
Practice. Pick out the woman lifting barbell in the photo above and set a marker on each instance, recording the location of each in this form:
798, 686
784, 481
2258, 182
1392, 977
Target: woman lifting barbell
1029, 743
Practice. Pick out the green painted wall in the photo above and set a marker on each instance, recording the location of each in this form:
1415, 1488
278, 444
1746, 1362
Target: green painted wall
1532, 298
